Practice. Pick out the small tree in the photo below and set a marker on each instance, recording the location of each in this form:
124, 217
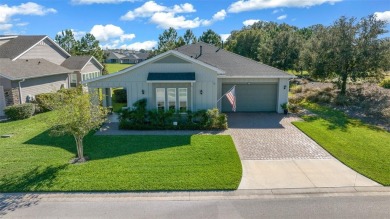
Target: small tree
76, 115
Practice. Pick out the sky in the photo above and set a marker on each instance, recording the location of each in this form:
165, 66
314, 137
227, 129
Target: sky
136, 24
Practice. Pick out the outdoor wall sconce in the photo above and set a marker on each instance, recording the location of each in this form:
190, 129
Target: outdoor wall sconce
285, 86
201, 92
143, 92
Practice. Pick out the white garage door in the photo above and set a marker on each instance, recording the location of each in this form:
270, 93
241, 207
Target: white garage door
2, 101
252, 97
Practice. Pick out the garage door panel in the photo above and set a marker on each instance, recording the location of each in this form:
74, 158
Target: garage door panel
252, 97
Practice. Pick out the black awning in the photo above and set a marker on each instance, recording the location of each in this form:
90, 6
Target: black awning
178, 76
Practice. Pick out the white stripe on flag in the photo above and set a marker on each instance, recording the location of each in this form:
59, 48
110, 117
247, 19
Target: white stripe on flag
231, 95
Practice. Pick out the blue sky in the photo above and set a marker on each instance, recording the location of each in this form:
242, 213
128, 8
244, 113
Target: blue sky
136, 24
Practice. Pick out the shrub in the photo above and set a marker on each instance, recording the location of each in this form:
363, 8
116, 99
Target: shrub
42, 101
293, 108
120, 95
296, 99
385, 83
296, 89
216, 120
21, 111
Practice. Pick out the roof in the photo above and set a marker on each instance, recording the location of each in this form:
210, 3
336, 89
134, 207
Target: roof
177, 76
233, 64
29, 68
115, 55
18, 45
78, 62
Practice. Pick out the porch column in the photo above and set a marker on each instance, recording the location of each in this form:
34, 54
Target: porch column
104, 97
109, 96
192, 96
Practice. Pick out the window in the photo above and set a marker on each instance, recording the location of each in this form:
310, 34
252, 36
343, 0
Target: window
171, 98
160, 98
183, 99
73, 80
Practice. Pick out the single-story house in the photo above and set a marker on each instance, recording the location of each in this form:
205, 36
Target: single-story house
194, 77
128, 58
83, 67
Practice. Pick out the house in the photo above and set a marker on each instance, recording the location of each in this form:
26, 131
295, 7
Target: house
194, 77
30, 65
83, 67
126, 58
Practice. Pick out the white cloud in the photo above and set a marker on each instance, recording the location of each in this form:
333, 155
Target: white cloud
250, 22
282, 17
147, 45
384, 16
126, 37
277, 11
224, 36
4, 27
89, 2
104, 33
150, 8
29, 8
22, 24
166, 17
250, 5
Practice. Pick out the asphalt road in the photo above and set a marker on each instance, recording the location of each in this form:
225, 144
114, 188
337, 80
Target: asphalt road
290, 207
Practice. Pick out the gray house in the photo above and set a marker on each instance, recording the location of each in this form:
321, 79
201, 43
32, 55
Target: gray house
193, 77
128, 58
30, 65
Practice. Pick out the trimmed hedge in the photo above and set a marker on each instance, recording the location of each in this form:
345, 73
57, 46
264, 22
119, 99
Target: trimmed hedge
21, 111
43, 99
139, 118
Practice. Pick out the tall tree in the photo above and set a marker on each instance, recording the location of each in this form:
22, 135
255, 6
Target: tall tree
180, 42
189, 37
66, 40
211, 37
349, 50
167, 40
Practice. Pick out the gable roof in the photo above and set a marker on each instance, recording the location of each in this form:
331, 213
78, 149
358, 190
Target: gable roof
114, 55
29, 68
233, 64
158, 57
77, 63
19, 45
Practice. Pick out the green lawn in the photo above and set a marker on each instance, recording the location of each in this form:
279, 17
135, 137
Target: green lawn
363, 148
31, 160
115, 67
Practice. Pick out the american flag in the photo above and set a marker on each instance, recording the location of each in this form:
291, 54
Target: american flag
231, 96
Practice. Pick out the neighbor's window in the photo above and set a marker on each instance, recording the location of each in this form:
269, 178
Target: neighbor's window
171, 98
160, 98
73, 80
183, 99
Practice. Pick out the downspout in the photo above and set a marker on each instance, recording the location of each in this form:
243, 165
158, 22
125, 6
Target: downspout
20, 90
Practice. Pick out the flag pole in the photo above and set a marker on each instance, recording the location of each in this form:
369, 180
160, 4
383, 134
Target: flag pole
225, 93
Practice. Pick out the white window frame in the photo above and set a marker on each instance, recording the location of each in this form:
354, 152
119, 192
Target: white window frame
181, 99
173, 99
157, 98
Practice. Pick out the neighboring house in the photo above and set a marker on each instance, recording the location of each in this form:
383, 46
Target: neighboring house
30, 65
194, 77
83, 67
129, 58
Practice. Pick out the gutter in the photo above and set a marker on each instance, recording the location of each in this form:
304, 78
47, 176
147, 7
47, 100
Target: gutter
20, 90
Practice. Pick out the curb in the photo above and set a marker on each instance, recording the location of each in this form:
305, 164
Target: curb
202, 195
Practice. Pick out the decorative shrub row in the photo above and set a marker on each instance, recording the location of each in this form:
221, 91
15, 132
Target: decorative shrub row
43, 99
21, 111
139, 118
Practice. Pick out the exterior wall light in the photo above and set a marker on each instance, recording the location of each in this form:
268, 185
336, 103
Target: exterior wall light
285, 86
201, 92
143, 91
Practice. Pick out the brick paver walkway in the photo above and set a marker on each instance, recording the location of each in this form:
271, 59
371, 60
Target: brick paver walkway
271, 136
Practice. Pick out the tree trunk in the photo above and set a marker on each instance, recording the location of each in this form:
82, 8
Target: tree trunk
343, 84
80, 150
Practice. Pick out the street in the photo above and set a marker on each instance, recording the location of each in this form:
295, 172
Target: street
294, 206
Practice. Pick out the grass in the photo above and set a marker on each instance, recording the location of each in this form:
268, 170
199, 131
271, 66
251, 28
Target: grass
115, 67
117, 107
362, 147
31, 160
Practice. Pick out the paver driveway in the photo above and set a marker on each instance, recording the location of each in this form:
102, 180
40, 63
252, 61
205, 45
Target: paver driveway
271, 136
276, 154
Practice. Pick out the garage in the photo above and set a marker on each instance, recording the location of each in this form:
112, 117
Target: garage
2, 101
252, 97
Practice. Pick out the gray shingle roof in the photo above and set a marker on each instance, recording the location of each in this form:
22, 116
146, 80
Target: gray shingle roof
29, 68
18, 45
76, 62
231, 63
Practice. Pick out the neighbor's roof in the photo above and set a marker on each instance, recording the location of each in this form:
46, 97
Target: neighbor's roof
78, 62
18, 45
29, 68
115, 55
233, 64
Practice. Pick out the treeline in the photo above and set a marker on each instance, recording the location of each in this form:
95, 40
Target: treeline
349, 49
